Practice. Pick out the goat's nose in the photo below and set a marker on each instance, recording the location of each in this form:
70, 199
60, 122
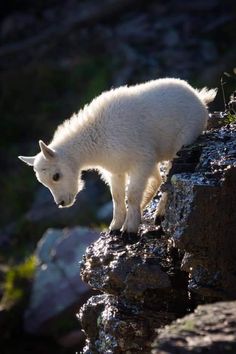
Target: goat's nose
62, 203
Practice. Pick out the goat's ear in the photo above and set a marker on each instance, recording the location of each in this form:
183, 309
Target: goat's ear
29, 160
46, 150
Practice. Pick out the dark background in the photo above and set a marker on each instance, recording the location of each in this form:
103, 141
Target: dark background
55, 56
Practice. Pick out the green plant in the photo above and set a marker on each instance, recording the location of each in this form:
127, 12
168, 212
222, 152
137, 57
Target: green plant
230, 118
16, 283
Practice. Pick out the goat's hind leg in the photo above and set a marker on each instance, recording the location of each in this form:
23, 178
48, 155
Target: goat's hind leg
154, 182
164, 198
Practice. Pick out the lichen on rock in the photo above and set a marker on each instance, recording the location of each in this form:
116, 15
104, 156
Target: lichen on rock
211, 329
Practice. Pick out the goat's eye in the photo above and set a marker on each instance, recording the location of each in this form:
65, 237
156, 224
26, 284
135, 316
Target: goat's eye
56, 177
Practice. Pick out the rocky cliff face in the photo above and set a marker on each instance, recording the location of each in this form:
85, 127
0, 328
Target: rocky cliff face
137, 277
151, 279
200, 217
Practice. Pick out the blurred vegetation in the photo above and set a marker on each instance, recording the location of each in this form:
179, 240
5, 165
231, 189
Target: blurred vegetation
230, 118
17, 281
34, 101
35, 98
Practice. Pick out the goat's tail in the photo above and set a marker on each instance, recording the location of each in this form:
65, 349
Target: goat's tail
206, 95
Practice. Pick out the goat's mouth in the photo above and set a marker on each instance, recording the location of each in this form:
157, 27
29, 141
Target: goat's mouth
66, 203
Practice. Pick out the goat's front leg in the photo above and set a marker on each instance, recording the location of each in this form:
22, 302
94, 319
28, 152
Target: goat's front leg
137, 184
117, 185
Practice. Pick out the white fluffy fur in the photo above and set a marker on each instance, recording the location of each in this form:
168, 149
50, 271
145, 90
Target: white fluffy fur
124, 133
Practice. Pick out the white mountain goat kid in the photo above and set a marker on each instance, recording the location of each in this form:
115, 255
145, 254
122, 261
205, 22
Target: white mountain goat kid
123, 133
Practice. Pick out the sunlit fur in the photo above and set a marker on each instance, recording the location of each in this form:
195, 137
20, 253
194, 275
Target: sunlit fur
125, 133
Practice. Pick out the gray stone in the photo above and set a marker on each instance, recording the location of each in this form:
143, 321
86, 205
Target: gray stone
211, 329
112, 265
57, 285
115, 326
139, 277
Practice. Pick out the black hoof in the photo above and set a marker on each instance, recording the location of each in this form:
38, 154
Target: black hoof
129, 238
159, 219
115, 232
